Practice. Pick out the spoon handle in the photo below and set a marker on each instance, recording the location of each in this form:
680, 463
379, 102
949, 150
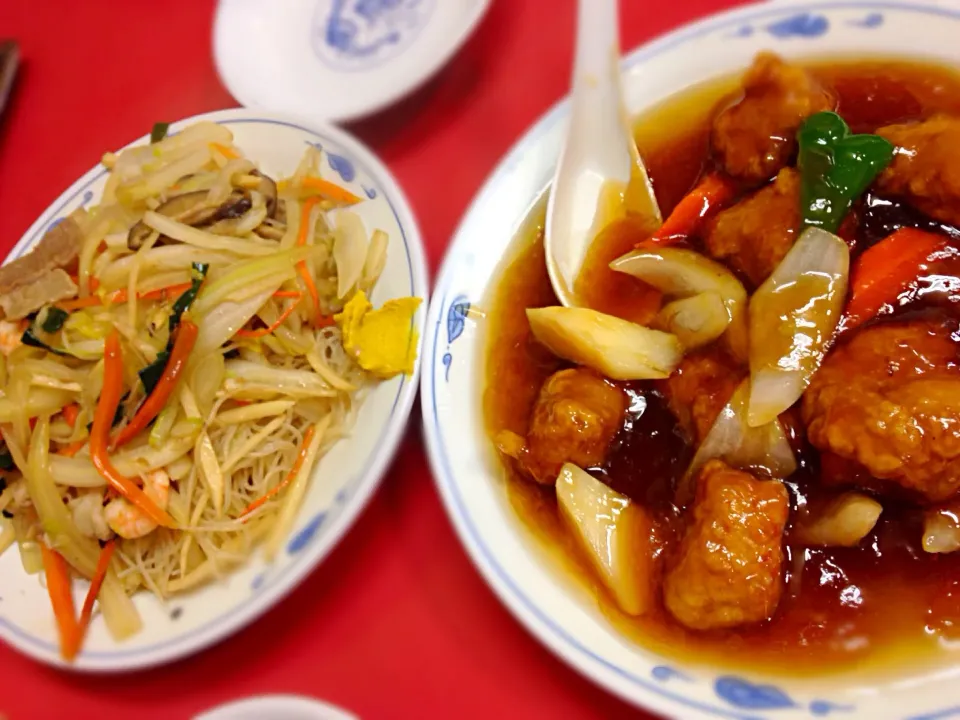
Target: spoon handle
596, 110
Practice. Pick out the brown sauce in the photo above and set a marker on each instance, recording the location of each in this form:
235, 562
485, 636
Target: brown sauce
841, 608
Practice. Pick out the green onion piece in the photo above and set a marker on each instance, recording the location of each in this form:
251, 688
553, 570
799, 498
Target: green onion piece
159, 132
183, 302
6, 459
151, 374
29, 338
54, 319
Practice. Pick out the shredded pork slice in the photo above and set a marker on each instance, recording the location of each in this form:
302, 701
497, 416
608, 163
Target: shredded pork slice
39, 277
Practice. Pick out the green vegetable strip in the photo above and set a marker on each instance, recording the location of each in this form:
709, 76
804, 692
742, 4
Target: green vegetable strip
159, 132
835, 168
150, 375
54, 319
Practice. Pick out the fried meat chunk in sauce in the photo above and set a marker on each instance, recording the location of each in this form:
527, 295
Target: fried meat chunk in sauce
754, 235
755, 138
699, 388
926, 167
888, 402
727, 570
575, 417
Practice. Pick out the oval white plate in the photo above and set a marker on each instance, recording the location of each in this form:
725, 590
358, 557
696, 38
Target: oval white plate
335, 59
342, 482
564, 618
276, 707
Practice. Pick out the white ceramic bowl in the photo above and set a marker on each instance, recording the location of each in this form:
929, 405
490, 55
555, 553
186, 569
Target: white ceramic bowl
343, 480
563, 617
336, 59
276, 707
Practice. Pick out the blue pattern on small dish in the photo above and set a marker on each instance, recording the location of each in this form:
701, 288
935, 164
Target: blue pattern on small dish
358, 35
342, 166
456, 323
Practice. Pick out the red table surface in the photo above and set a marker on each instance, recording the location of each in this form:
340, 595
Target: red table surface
396, 623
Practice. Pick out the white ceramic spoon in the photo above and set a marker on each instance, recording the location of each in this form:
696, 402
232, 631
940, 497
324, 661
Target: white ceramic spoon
599, 157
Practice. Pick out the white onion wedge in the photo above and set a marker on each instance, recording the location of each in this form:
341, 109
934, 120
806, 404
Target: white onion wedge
793, 316
349, 249
615, 533
617, 348
681, 273
696, 321
843, 522
941, 530
734, 441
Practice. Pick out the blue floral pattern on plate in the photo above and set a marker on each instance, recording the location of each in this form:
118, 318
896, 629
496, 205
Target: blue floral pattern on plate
456, 322
805, 25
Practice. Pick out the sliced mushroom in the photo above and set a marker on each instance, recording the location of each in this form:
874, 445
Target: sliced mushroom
191, 209
267, 188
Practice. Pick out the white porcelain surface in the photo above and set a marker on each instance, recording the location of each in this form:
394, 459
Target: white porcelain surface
563, 617
343, 480
335, 59
276, 707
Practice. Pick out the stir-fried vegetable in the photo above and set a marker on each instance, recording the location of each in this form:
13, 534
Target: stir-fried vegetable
941, 529
710, 194
159, 132
696, 320
61, 597
793, 316
160, 395
835, 168
887, 270
615, 533
99, 435
843, 522
619, 349
741, 445
682, 273
96, 582
294, 471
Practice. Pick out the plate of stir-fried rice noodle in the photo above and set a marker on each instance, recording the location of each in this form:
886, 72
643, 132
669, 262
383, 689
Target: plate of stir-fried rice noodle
209, 347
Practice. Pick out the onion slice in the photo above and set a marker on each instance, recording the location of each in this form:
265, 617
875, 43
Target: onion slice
793, 317
734, 441
681, 273
696, 321
941, 529
618, 349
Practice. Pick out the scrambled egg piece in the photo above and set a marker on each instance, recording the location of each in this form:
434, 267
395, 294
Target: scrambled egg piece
383, 342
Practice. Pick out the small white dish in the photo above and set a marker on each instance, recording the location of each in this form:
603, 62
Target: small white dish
343, 480
562, 616
276, 707
335, 59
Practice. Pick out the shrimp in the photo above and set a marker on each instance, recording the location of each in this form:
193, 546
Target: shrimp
89, 516
10, 334
126, 519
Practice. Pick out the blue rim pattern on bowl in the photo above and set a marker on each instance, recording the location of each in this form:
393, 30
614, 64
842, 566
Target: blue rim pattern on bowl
307, 533
450, 307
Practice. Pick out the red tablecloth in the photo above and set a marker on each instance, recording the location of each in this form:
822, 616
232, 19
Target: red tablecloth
396, 623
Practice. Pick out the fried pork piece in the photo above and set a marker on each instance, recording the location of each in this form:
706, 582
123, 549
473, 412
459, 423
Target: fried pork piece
754, 235
889, 401
926, 167
576, 415
756, 137
727, 571
39, 277
699, 388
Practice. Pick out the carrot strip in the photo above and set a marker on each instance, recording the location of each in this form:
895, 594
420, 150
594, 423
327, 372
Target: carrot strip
888, 269
58, 586
294, 471
72, 449
228, 153
122, 296
100, 432
328, 190
70, 413
302, 268
260, 332
288, 294
103, 564
157, 400
710, 193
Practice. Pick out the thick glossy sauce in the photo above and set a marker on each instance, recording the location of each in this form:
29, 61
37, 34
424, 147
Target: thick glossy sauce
841, 608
